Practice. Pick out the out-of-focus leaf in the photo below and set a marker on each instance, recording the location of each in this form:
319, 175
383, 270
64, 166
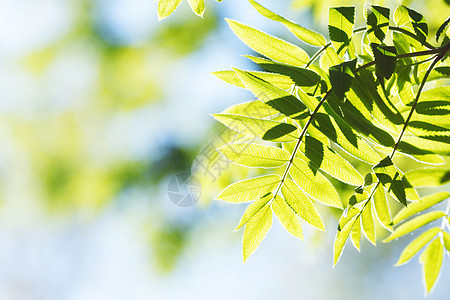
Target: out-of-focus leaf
428, 177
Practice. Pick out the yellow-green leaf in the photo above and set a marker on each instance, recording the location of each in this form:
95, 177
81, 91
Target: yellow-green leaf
265, 129
304, 34
340, 27
301, 204
255, 231
254, 208
167, 7
317, 186
254, 109
432, 259
417, 244
428, 177
253, 155
377, 23
382, 208
368, 223
287, 217
197, 6
421, 205
447, 241
268, 45
319, 156
249, 189
341, 238
413, 224
356, 235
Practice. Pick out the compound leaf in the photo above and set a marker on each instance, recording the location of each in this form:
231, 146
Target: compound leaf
249, 189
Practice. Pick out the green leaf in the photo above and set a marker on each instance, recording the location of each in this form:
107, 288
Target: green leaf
382, 208
385, 60
300, 76
344, 136
167, 7
428, 177
252, 155
390, 178
301, 204
265, 129
317, 186
329, 58
340, 27
447, 240
197, 6
377, 23
410, 19
255, 231
278, 80
249, 189
341, 77
287, 217
413, 224
306, 35
269, 46
346, 224
318, 156
254, 208
419, 206
442, 28
368, 223
417, 244
432, 259
278, 99
253, 109
356, 235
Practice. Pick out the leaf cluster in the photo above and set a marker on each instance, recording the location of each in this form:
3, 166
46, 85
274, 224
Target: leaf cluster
369, 93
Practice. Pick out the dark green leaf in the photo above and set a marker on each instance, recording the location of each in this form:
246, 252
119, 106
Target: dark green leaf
341, 77
385, 59
442, 28
388, 175
340, 27
377, 23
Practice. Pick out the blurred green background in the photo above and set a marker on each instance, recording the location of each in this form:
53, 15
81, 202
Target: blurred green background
101, 106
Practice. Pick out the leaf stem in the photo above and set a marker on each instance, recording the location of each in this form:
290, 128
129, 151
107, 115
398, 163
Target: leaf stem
302, 134
416, 100
404, 31
313, 58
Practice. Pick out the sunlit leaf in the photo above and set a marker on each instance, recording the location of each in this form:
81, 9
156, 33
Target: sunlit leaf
197, 6
340, 27
306, 35
377, 23
356, 235
390, 178
167, 7
265, 129
252, 155
346, 224
317, 186
442, 28
432, 259
382, 207
417, 244
269, 46
419, 206
256, 230
254, 208
410, 19
249, 189
368, 223
287, 217
414, 224
341, 77
428, 177
301, 204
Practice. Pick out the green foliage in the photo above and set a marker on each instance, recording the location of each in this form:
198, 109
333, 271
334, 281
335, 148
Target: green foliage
365, 95
167, 7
